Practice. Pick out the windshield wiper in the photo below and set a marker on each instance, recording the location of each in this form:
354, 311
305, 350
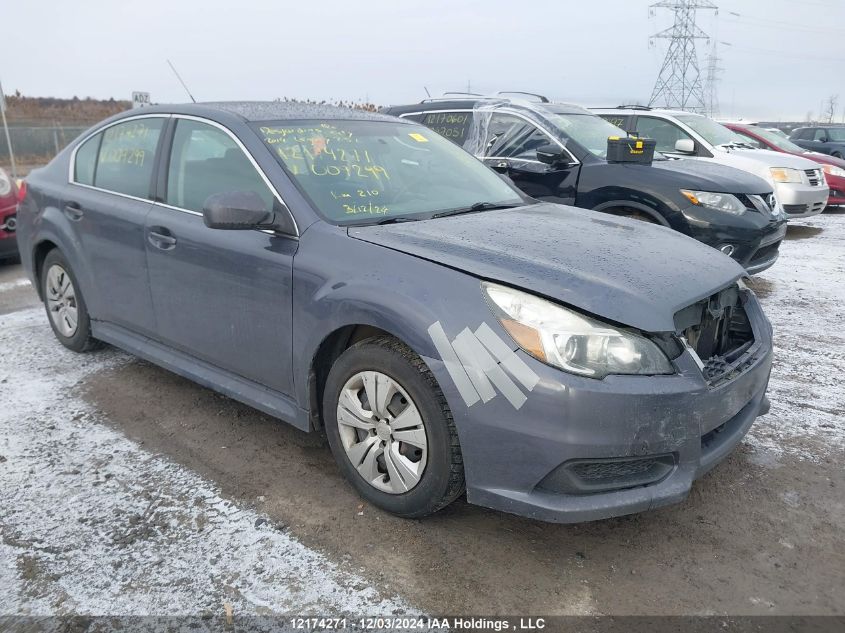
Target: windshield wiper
396, 220
475, 208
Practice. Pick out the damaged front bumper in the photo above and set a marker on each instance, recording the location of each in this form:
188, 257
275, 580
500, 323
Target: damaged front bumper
582, 449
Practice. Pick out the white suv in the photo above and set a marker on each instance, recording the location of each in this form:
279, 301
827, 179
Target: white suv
799, 184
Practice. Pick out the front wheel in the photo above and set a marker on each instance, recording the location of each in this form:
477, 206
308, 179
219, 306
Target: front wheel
65, 305
390, 429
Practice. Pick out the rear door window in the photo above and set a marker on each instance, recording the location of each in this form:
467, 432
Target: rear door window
204, 161
820, 135
454, 126
664, 133
127, 156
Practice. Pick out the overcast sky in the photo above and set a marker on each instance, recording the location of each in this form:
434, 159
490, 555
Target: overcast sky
784, 59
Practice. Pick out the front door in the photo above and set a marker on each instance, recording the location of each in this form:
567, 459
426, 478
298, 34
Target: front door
221, 296
510, 147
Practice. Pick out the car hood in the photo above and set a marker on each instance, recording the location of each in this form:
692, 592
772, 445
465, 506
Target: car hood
773, 159
709, 176
623, 270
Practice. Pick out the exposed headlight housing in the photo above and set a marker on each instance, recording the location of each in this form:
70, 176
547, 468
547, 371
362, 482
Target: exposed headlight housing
833, 170
785, 174
721, 201
571, 341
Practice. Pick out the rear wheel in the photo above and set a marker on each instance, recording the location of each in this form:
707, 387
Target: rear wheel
65, 305
390, 429
837, 154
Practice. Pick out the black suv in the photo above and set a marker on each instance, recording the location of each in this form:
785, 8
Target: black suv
721, 206
827, 140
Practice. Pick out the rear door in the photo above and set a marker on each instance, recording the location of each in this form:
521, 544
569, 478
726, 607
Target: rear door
510, 147
221, 296
107, 205
806, 138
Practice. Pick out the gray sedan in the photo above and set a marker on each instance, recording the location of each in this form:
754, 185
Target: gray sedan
360, 276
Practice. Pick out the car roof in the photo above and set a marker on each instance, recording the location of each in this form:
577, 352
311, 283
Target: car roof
253, 111
470, 103
638, 109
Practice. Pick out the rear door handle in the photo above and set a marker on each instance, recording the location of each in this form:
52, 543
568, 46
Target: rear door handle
161, 238
73, 212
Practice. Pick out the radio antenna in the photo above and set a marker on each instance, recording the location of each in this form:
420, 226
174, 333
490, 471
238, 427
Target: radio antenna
175, 72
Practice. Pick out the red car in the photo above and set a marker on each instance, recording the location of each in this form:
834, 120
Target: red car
834, 168
8, 217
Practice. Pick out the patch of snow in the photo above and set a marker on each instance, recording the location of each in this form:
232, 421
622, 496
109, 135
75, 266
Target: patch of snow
93, 524
15, 283
803, 295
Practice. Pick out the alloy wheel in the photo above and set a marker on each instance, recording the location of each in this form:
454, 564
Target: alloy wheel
61, 301
382, 432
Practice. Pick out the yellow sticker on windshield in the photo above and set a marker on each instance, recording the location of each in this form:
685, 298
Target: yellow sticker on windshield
419, 138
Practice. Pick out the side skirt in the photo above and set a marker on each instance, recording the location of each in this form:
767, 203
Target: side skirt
236, 387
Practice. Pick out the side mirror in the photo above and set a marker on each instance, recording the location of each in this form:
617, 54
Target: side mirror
236, 210
823, 139
552, 155
685, 146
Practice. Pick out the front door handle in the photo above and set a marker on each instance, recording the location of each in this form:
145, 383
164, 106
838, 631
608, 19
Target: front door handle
73, 211
161, 238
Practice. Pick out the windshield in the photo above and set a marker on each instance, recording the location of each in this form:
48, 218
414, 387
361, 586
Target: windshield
364, 172
712, 132
781, 142
589, 130
836, 133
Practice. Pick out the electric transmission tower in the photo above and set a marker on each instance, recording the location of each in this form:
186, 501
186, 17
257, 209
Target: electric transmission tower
679, 83
711, 79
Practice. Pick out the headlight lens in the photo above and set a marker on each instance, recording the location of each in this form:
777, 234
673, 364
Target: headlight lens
5, 184
571, 341
785, 174
833, 170
721, 201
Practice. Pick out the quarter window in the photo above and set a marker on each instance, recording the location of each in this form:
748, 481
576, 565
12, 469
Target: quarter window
127, 156
512, 137
205, 161
665, 134
86, 160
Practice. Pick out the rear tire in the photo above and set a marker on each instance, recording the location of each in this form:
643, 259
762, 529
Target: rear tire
401, 454
837, 155
65, 305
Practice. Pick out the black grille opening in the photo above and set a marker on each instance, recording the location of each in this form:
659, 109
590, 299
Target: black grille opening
765, 253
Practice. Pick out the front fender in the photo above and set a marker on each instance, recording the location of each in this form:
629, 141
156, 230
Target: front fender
341, 281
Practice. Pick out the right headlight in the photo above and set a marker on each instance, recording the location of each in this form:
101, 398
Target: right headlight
571, 341
726, 202
785, 174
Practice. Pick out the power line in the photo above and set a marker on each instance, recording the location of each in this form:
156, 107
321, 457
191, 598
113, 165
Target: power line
679, 83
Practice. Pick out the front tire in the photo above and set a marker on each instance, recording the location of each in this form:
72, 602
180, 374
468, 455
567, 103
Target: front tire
390, 429
65, 305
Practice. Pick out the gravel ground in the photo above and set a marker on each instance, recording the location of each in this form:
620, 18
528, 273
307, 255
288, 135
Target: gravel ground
127, 490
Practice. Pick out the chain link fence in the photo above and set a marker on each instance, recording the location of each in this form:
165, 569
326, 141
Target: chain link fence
38, 144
